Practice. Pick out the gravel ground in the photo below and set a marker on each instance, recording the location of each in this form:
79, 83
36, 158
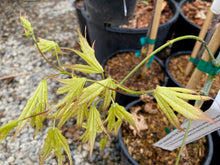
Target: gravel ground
54, 20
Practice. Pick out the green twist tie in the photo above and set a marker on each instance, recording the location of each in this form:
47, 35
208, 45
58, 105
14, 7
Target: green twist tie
145, 40
194, 60
138, 53
150, 61
167, 130
208, 67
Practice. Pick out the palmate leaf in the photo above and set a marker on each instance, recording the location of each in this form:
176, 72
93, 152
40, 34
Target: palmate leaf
116, 114
93, 126
54, 141
74, 87
81, 113
5, 129
168, 112
88, 54
109, 93
91, 92
172, 98
67, 106
27, 26
64, 113
103, 143
185, 93
82, 68
39, 100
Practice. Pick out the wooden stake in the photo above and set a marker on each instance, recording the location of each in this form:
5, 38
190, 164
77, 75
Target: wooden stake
153, 29
213, 45
198, 44
155, 24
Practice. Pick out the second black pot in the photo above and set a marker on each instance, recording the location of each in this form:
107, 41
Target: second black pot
81, 19
110, 39
112, 12
127, 159
185, 27
124, 99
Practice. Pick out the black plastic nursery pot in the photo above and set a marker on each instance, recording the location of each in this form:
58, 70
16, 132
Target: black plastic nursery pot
111, 12
109, 39
179, 80
178, 1
184, 27
122, 98
127, 159
81, 19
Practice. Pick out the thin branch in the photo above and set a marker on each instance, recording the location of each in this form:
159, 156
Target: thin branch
13, 75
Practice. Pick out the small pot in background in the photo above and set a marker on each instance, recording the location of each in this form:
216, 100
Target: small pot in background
78, 4
184, 27
111, 12
109, 39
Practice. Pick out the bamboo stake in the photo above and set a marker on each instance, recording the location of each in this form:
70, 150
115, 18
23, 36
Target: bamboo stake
155, 24
215, 21
213, 45
198, 44
153, 29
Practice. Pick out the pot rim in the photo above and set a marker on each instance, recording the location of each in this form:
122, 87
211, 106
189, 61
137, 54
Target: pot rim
176, 54
133, 50
184, 17
136, 30
206, 161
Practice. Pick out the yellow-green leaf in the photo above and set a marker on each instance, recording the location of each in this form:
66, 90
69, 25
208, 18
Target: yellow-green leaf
94, 125
47, 45
103, 143
54, 141
116, 114
66, 113
173, 98
168, 111
5, 129
185, 93
88, 54
109, 93
39, 100
82, 68
82, 112
27, 26
74, 87
63, 142
90, 93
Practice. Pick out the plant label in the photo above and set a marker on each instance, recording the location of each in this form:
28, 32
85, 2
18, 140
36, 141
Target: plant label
215, 8
197, 130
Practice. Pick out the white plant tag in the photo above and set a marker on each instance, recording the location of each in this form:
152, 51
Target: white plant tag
197, 130
215, 8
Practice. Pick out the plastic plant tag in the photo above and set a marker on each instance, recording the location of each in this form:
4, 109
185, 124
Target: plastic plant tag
215, 8
198, 129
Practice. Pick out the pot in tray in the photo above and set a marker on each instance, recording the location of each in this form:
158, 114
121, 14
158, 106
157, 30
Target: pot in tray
184, 26
112, 12
78, 4
177, 77
122, 60
127, 159
109, 39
